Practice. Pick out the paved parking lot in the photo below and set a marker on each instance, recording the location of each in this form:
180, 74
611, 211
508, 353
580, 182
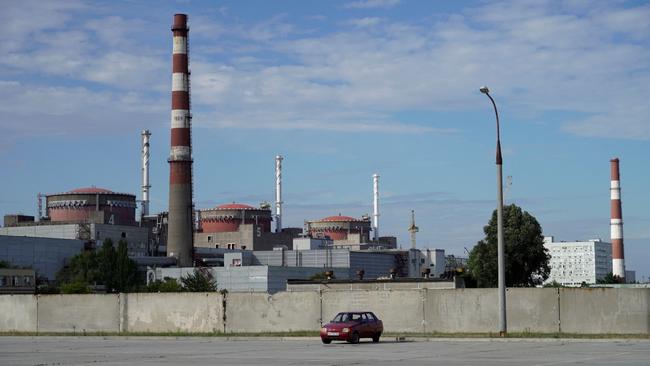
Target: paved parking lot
197, 351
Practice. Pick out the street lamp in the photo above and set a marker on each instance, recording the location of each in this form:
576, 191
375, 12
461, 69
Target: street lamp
500, 245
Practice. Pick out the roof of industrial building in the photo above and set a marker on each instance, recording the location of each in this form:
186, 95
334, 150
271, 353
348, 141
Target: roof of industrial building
91, 190
235, 206
339, 218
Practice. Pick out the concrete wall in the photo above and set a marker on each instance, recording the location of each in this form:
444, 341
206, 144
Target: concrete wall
280, 312
18, 313
601, 310
78, 313
401, 311
533, 310
472, 310
173, 312
548, 310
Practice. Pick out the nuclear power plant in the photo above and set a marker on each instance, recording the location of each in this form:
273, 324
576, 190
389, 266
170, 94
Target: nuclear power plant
238, 241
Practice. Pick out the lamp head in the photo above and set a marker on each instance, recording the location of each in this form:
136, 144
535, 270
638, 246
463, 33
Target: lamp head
484, 89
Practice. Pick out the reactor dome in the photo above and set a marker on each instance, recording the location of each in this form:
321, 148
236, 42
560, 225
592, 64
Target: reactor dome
228, 217
91, 205
340, 227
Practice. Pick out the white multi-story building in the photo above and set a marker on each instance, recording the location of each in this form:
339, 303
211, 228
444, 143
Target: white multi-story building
575, 262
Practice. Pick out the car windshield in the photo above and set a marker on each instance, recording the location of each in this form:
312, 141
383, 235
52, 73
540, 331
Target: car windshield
346, 317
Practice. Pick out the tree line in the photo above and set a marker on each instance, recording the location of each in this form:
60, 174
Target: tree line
111, 270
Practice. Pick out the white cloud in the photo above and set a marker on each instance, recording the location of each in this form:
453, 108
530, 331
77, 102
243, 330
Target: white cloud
535, 58
365, 22
37, 110
370, 4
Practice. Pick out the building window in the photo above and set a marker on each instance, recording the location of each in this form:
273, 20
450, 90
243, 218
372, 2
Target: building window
209, 238
123, 235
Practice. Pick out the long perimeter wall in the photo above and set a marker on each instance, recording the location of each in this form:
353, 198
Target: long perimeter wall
548, 310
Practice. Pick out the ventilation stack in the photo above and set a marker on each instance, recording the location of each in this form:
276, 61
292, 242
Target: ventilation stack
616, 222
278, 193
413, 230
375, 206
145, 172
180, 220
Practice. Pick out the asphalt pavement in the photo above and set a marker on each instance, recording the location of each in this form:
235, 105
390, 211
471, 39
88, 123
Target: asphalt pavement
196, 351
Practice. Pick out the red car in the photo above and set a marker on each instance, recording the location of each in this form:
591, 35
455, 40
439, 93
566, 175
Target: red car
351, 326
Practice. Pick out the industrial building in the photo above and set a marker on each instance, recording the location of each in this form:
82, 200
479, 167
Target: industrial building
46, 256
575, 262
269, 270
348, 232
90, 214
240, 226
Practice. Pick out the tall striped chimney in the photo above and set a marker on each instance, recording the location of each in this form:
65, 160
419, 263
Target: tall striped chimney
179, 233
616, 222
375, 206
145, 172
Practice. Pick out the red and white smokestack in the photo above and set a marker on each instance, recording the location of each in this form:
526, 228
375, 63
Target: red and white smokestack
616, 222
180, 220
375, 205
145, 172
278, 193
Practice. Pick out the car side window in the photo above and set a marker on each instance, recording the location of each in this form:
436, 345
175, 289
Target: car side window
364, 318
370, 317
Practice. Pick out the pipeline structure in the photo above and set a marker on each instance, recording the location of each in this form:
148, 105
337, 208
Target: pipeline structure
180, 236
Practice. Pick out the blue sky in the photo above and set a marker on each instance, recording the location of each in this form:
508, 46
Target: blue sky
342, 89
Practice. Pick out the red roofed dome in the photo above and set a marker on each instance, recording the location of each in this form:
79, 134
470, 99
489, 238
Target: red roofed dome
235, 206
339, 218
90, 190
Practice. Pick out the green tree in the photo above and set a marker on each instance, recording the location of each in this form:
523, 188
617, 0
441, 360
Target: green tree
82, 269
107, 266
526, 258
5, 264
199, 281
554, 284
610, 278
165, 285
126, 269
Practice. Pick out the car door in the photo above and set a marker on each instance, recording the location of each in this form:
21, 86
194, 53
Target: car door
372, 324
366, 326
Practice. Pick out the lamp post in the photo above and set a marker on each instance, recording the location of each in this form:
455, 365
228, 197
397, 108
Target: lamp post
500, 245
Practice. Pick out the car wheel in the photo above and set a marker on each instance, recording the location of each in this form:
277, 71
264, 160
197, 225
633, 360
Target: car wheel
326, 341
375, 338
354, 338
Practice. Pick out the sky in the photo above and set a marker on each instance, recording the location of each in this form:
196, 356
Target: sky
343, 90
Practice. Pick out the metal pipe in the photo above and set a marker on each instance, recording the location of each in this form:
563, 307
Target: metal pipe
503, 327
375, 204
278, 193
145, 172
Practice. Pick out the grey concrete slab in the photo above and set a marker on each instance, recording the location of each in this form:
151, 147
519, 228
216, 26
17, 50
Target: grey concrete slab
198, 351
173, 312
281, 312
18, 313
78, 313
605, 310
